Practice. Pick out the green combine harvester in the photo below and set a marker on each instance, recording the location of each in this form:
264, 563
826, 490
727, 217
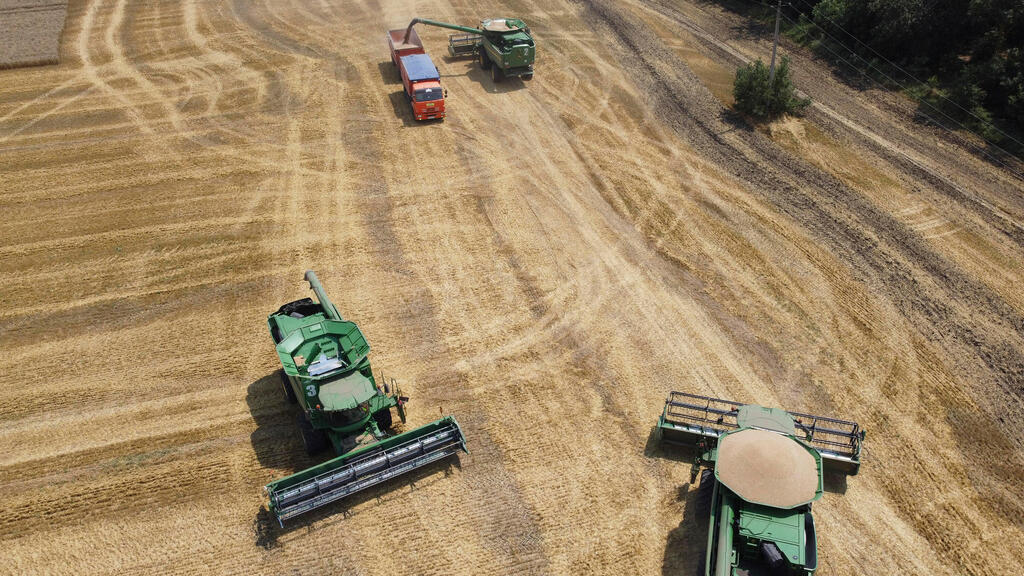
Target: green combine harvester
327, 372
502, 45
760, 469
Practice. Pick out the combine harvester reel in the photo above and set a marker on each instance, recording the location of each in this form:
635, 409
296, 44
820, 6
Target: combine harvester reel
327, 372
760, 470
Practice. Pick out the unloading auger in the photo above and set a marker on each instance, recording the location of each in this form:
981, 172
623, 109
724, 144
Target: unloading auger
327, 372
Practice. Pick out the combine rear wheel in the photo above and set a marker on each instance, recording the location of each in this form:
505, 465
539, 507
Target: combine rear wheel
528, 76
315, 441
289, 393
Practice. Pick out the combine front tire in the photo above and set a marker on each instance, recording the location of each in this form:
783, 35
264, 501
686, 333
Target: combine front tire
289, 393
702, 506
383, 419
496, 74
485, 62
315, 441
702, 503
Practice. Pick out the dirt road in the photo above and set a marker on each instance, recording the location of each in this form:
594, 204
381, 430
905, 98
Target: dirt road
546, 265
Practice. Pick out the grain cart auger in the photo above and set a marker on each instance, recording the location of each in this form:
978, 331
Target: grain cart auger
760, 469
502, 45
327, 372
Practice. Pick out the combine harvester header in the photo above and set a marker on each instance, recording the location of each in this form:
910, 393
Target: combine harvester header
327, 372
689, 419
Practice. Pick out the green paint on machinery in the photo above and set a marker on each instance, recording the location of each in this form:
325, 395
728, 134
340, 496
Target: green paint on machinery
760, 471
327, 372
503, 46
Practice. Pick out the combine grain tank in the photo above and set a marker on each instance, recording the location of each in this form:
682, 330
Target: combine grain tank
327, 373
760, 469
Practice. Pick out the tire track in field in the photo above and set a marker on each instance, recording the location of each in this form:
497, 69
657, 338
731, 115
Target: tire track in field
927, 290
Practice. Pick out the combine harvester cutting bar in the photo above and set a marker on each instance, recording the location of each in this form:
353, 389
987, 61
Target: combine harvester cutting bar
349, 473
689, 419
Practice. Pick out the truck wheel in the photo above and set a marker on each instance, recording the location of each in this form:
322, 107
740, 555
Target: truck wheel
383, 419
289, 393
496, 74
314, 441
485, 62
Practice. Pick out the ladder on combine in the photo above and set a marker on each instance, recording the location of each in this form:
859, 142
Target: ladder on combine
689, 419
349, 473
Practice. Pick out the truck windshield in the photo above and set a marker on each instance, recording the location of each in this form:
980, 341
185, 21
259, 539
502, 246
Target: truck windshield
428, 94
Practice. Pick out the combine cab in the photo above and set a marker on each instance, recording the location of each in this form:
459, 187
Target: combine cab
760, 469
327, 372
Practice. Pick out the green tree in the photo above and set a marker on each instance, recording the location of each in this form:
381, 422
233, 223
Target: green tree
758, 97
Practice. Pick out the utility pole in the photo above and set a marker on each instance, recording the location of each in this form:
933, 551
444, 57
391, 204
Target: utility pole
775, 46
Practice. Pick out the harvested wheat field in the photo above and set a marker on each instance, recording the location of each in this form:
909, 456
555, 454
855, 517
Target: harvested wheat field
546, 264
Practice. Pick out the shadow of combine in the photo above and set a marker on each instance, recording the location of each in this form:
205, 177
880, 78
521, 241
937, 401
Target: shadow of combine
655, 449
278, 445
835, 483
685, 544
276, 439
483, 77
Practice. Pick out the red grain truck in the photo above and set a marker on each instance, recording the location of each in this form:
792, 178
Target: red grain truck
420, 78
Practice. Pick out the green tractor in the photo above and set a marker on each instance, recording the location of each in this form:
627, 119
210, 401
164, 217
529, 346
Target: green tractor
760, 470
503, 46
327, 372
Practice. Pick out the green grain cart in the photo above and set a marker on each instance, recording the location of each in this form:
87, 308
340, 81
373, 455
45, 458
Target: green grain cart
760, 469
327, 372
502, 45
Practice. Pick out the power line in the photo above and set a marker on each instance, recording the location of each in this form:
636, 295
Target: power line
940, 124
908, 74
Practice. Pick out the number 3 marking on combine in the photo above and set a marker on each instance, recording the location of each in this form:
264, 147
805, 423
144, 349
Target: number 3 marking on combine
311, 390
